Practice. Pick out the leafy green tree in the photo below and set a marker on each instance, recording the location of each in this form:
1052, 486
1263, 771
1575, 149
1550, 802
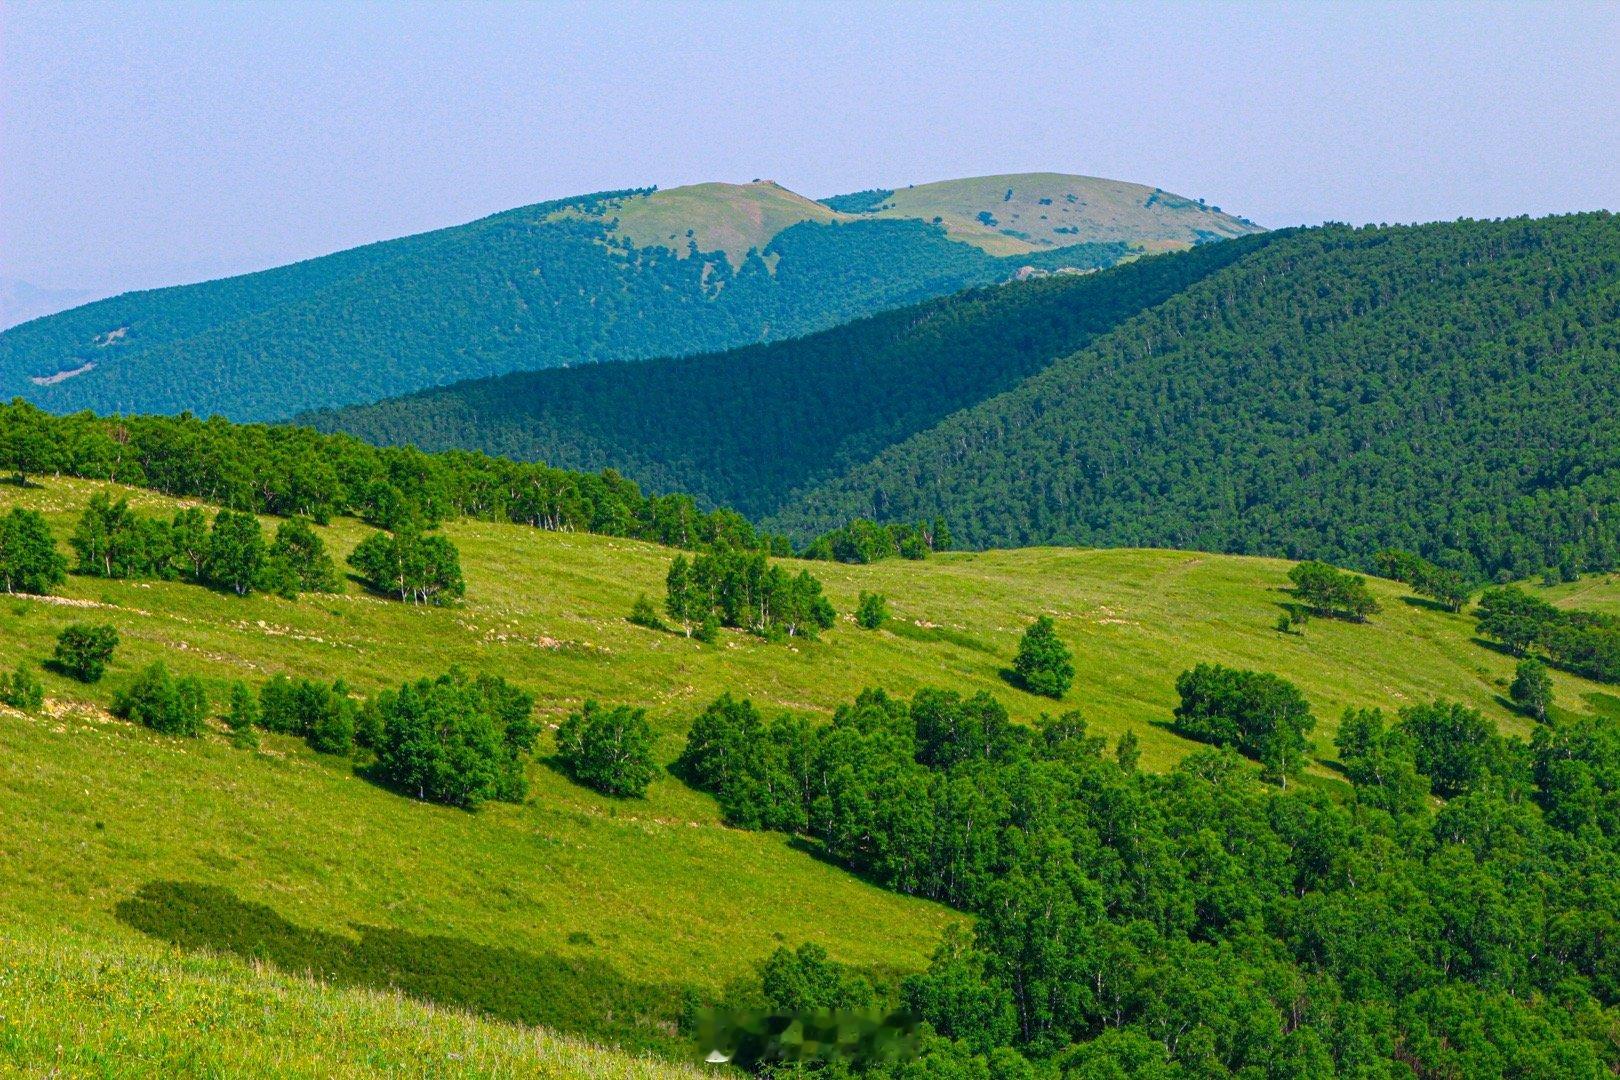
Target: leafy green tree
29, 561
1128, 752
21, 689
83, 651
189, 537
1377, 757
163, 703
608, 749
1514, 617
298, 561
28, 443
873, 611
1453, 745
1532, 689
680, 599
235, 552
454, 740
242, 716
806, 979
105, 538
1044, 664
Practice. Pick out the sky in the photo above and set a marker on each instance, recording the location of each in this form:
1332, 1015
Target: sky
146, 143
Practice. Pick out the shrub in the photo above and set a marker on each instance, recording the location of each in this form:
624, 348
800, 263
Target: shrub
83, 651
1043, 664
242, 716
643, 613
608, 749
163, 703
21, 690
873, 610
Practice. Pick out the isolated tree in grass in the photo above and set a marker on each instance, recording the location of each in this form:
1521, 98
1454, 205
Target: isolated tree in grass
29, 561
643, 613
1330, 591
1044, 664
235, 551
608, 749
163, 703
1532, 688
454, 740
872, 611
83, 650
21, 690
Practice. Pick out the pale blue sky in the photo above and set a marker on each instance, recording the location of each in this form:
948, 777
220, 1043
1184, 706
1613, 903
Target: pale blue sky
144, 143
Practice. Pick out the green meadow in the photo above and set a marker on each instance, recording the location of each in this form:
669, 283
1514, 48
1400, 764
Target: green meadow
162, 900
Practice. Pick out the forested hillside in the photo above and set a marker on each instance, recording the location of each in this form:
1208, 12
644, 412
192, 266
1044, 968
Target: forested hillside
611, 276
747, 428
1445, 388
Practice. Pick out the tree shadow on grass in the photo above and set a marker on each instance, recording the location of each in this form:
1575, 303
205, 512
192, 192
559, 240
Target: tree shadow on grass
582, 996
1428, 605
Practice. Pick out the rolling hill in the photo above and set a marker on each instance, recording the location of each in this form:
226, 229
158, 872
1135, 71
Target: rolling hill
611, 276
1308, 393
209, 882
750, 427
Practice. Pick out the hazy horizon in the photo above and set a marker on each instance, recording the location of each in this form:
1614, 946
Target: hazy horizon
152, 143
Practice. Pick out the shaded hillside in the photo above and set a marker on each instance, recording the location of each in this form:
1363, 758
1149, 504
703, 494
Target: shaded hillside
612, 276
746, 428
1448, 388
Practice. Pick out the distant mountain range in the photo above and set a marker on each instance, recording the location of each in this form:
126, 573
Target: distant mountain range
611, 276
23, 300
1327, 392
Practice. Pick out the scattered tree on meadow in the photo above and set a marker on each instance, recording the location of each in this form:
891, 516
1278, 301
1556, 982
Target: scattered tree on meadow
1532, 688
1044, 664
873, 610
745, 590
297, 561
1329, 591
608, 749
1446, 587
83, 651
29, 561
163, 703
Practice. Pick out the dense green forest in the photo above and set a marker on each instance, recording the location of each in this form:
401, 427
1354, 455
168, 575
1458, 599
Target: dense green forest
1197, 923
297, 472
1446, 389
542, 286
747, 428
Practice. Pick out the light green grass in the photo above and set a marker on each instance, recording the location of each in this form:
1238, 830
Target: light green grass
657, 889
71, 1010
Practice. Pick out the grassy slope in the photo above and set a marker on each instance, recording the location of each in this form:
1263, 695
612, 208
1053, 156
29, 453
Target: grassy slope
1101, 209
663, 892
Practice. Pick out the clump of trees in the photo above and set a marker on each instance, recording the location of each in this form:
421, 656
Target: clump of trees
746, 591
1261, 715
1446, 587
229, 554
83, 650
455, 740
29, 561
1333, 593
1043, 664
418, 567
326, 716
865, 541
608, 749
158, 700
1585, 642
1532, 688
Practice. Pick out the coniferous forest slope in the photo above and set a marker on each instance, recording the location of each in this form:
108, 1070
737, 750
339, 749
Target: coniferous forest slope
1449, 388
611, 276
749, 427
